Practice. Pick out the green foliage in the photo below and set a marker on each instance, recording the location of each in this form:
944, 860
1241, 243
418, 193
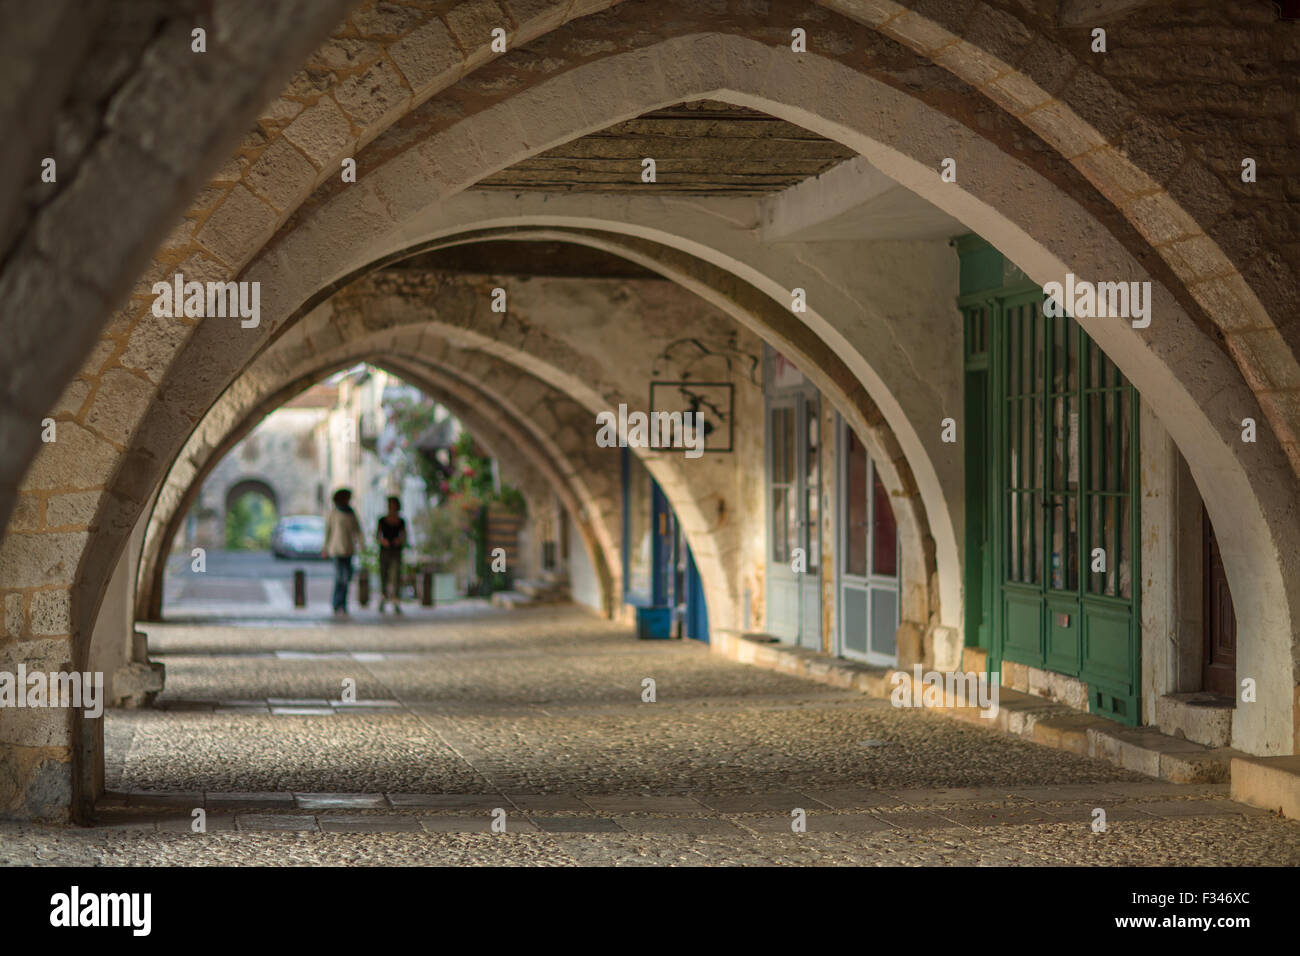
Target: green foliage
511, 499
412, 419
472, 479
249, 523
465, 491
446, 534
471, 473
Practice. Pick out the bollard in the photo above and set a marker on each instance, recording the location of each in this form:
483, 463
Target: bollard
300, 588
363, 588
426, 589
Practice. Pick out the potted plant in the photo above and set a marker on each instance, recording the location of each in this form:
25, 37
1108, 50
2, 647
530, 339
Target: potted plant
446, 545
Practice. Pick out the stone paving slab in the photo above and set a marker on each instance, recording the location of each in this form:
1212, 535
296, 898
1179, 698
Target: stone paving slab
1198, 808
386, 823
855, 799
642, 803
213, 823
345, 705
577, 824
127, 821
1160, 788
915, 820
249, 800
477, 824
750, 802
339, 801
998, 816
1082, 811
255, 821
449, 801
955, 796
547, 801
689, 826
1083, 791
297, 702
162, 798
819, 823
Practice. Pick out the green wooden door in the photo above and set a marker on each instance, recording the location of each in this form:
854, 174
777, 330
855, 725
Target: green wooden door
979, 593
1052, 505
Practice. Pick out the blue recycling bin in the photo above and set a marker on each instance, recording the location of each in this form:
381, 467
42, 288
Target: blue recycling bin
654, 623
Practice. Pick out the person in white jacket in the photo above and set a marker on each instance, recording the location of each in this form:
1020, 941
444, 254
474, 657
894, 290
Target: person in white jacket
342, 537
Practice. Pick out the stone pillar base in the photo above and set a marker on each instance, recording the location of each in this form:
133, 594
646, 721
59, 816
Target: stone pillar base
138, 684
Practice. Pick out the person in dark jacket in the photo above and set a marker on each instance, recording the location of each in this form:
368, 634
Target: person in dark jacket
392, 538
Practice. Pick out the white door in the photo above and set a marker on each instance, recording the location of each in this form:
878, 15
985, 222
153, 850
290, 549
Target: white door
868, 556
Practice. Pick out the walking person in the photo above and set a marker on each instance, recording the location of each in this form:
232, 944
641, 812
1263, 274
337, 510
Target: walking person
342, 536
392, 538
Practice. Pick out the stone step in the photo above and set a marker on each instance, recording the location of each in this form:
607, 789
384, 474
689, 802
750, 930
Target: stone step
1272, 783
509, 599
542, 590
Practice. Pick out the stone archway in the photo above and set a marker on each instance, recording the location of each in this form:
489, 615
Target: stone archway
241, 488
1176, 366
251, 486
214, 437
1179, 370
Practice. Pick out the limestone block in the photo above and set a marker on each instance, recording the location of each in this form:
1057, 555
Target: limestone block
918, 32
1015, 676
119, 404
372, 95
1206, 766
947, 648
1269, 782
282, 175
48, 791
910, 645
26, 515
384, 19
1194, 717
51, 612
321, 132
154, 343
14, 618
39, 560
239, 227
138, 683
472, 23
974, 660
70, 402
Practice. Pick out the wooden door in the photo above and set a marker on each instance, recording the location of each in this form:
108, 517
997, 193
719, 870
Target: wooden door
1219, 663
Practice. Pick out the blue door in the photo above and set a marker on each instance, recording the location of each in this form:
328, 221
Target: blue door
688, 590
697, 612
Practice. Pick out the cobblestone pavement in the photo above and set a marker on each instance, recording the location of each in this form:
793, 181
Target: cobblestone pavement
538, 715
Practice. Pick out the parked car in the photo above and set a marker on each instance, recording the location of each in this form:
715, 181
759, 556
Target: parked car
298, 536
